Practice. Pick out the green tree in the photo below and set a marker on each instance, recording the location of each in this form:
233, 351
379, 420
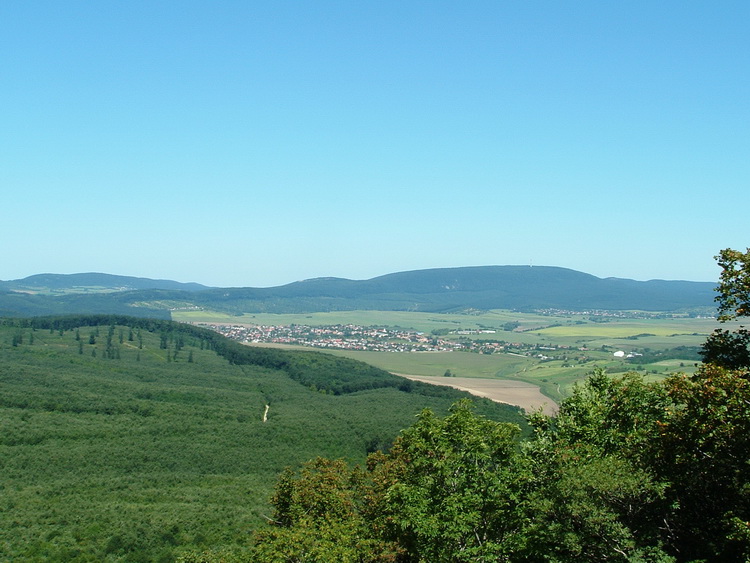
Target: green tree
594, 495
731, 349
448, 489
704, 455
318, 516
590, 507
643, 470
734, 284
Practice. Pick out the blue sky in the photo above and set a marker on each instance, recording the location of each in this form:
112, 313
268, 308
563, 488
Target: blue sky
259, 143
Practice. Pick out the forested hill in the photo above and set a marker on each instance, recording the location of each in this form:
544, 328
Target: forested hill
434, 290
134, 439
93, 281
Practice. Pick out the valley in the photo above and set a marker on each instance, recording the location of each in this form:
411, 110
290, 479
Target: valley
552, 350
120, 431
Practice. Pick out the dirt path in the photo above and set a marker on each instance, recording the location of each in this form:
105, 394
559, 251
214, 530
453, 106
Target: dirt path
525, 395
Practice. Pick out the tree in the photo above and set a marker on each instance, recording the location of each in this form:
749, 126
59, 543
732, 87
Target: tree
594, 496
448, 489
731, 349
734, 284
590, 507
704, 455
644, 470
318, 516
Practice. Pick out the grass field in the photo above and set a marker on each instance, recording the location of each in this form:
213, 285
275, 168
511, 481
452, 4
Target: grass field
418, 321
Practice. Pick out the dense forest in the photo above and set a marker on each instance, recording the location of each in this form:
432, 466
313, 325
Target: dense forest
628, 471
134, 439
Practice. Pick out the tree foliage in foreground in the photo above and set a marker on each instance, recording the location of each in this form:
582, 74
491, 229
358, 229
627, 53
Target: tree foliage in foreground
628, 471
731, 349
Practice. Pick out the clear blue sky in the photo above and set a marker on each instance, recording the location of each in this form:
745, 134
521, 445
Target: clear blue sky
242, 143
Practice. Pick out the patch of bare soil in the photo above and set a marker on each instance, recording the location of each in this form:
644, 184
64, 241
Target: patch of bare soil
525, 395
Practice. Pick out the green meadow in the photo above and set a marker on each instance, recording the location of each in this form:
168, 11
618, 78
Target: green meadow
406, 319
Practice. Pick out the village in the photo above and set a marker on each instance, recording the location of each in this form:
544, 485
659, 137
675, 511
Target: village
376, 339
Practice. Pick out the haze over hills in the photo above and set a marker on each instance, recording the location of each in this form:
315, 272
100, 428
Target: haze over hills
433, 290
92, 281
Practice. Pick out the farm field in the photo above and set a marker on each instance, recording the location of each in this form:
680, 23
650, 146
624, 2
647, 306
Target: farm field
556, 350
518, 393
416, 320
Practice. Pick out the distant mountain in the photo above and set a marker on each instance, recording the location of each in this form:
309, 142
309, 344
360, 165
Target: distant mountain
82, 283
435, 290
455, 289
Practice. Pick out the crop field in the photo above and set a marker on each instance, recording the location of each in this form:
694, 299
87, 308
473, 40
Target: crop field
419, 321
520, 393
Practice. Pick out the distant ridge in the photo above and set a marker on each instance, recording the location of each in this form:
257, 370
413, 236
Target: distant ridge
433, 290
92, 280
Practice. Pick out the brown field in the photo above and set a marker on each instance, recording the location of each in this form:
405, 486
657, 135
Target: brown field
524, 395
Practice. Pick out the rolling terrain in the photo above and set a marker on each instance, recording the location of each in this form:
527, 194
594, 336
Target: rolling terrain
136, 439
520, 288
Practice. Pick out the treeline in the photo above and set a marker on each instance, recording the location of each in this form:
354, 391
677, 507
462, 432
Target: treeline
14, 304
316, 370
689, 353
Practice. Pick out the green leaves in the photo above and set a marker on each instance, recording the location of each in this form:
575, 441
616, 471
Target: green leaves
704, 453
731, 349
319, 516
589, 508
443, 493
449, 486
628, 471
734, 284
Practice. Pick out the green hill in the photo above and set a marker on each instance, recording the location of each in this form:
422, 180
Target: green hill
136, 439
90, 282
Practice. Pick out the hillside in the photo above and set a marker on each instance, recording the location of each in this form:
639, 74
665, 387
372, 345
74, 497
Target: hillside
435, 290
127, 437
91, 282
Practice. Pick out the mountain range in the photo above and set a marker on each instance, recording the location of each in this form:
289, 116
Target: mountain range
433, 290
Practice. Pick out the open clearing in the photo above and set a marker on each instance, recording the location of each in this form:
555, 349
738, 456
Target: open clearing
520, 393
